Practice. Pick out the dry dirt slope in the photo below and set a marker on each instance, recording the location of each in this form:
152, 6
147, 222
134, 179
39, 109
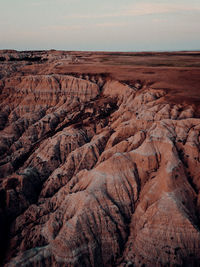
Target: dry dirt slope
96, 171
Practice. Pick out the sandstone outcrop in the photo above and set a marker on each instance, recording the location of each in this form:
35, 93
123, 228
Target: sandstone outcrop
95, 171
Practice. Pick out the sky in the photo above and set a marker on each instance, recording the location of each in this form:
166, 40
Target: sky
100, 25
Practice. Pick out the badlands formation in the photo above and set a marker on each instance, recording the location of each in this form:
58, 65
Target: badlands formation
99, 159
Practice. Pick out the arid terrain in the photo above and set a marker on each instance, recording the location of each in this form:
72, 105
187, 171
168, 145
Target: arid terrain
99, 159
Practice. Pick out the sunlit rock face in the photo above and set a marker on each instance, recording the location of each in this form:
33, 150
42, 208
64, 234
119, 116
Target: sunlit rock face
95, 170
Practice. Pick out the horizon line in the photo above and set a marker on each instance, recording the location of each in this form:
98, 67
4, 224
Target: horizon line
104, 51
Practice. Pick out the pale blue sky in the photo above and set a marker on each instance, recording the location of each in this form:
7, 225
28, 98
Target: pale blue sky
112, 25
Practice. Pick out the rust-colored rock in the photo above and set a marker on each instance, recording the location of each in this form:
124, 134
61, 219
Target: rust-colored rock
99, 162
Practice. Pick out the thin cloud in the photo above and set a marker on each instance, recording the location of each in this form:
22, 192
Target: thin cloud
156, 8
82, 26
93, 16
63, 27
140, 9
110, 24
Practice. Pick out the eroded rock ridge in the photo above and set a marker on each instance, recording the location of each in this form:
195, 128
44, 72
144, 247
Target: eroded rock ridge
97, 172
